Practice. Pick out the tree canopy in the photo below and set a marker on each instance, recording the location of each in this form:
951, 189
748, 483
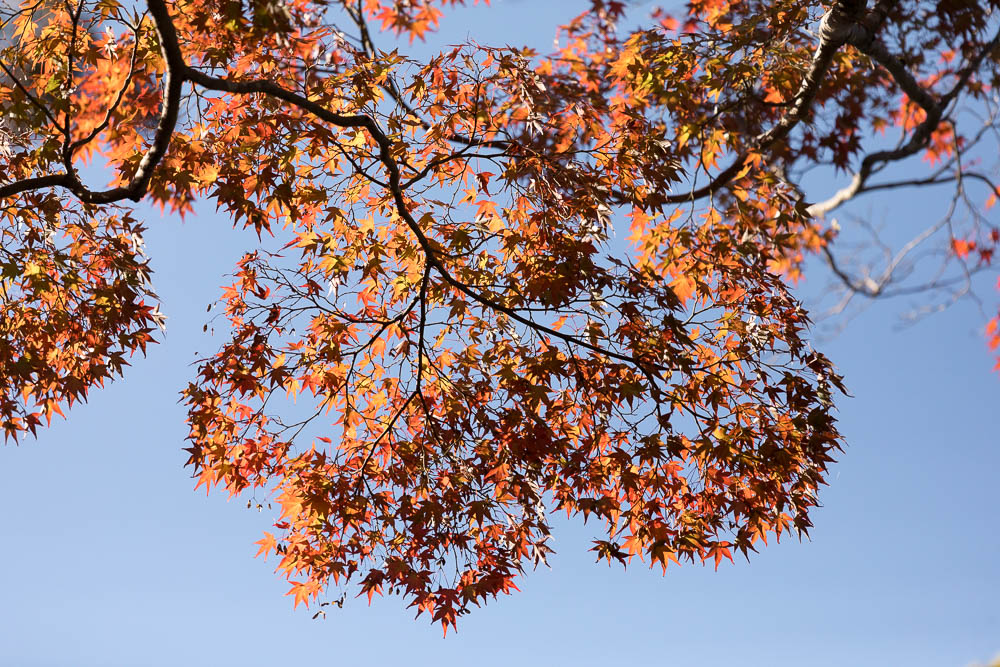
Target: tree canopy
493, 284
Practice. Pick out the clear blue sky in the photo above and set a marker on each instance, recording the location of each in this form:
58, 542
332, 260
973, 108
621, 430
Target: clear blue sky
110, 558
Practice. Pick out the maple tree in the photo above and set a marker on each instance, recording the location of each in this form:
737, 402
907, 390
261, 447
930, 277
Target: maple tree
441, 340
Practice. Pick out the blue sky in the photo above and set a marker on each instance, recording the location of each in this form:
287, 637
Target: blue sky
111, 558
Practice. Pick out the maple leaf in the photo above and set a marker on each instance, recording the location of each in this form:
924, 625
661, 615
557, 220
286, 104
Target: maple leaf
267, 544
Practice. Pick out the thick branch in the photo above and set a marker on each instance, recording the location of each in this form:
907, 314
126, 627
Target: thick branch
136, 188
838, 27
933, 108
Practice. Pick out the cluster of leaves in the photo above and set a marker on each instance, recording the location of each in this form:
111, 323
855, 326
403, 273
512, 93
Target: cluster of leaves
73, 293
74, 283
445, 342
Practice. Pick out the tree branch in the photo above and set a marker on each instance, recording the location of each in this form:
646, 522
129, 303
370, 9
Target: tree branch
136, 188
933, 108
838, 26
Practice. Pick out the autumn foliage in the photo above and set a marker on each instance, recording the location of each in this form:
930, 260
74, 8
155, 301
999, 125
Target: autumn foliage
493, 284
